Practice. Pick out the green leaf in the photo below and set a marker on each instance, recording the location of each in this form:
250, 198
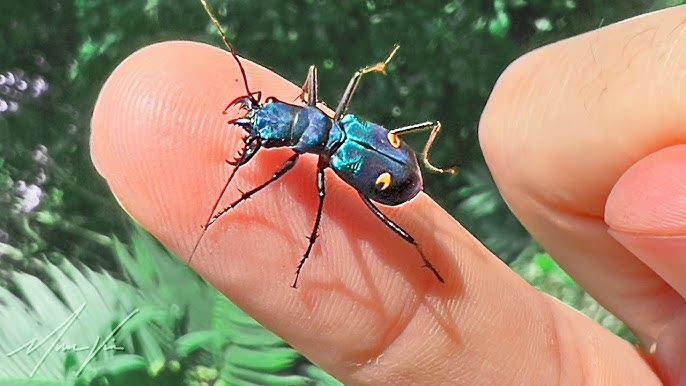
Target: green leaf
197, 340
117, 366
271, 360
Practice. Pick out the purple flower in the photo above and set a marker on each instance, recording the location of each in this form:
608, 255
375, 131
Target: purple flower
30, 196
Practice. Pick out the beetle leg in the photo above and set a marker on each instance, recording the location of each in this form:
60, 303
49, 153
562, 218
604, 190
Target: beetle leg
435, 127
252, 145
311, 88
321, 188
402, 233
288, 165
352, 85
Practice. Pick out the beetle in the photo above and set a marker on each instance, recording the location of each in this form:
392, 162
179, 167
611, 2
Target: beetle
370, 158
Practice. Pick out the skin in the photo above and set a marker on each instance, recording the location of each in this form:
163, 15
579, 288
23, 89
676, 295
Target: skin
583, 138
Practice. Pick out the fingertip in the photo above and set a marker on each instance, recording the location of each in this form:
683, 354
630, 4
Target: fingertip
160, 139
646, 213
648, 198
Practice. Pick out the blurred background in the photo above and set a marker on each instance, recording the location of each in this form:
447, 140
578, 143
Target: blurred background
74, 267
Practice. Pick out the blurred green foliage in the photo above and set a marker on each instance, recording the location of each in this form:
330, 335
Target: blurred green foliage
165, 334
56, 55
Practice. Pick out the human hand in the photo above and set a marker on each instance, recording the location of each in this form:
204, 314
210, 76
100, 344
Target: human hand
365, 310
585, 141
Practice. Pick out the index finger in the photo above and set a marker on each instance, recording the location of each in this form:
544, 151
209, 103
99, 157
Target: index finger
365, 310
160, 139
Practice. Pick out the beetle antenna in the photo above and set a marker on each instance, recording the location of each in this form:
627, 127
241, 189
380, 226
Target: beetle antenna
210, 12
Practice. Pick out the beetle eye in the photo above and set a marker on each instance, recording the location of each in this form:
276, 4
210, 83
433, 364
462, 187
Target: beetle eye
394, 140
383, 182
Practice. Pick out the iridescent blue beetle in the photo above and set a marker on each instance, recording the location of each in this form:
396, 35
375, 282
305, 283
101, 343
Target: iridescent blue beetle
368, 157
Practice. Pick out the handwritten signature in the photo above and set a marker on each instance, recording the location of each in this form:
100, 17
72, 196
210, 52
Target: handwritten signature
53, 342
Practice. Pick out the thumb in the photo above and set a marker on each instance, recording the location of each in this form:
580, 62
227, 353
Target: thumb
646, 212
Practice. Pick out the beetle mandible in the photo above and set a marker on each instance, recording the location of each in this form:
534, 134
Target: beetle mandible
368, 157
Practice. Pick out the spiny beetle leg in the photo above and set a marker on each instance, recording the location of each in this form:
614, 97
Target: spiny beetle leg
244, 155
288, 165
352, 84
435, 127
402, 233
310, 87
214, 207
321, 188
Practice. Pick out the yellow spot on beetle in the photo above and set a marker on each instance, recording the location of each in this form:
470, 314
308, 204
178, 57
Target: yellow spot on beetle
384, 181
394, 140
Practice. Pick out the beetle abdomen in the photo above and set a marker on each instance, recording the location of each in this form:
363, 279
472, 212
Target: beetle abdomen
367, 155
